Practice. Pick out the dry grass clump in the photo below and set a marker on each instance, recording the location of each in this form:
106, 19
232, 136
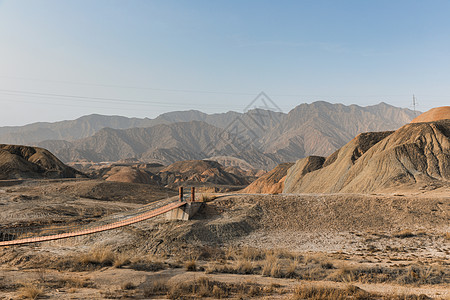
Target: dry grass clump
447, 236
415, 274
211, 253
76, 282
319, 293
244, 266
203, 288
8, 286
351, 292
191, 265
96, 258
146, 264
99, 257
272, 267
284, 254
128, 286
122, 259
102, 256
218, 267
344, 274
404, 234
250, 253
207, 197
156, 288
291, 271
30, 291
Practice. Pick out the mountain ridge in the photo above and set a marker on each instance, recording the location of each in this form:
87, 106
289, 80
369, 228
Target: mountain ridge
260, 137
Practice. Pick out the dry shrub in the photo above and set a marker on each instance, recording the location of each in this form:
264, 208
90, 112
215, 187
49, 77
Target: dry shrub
143, 262
291, 271
271, 288
219, 268
76, 282
149, 266
211, 253
100, 256
251, 253
7, 286
404, 234
283, 253
319, 293
276, 271
270, 266
231, 253
217, 292
128, 286
201, 287
313, 273
30, 291
158, 287
191, 265
317, 259
205, 288
424, 275
345, 274
122, 259
415, 274
244, 266
206, 197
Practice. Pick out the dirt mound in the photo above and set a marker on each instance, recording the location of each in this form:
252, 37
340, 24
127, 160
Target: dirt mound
32, 162
129, 174
199, 171
434, 114
270, 183
414, 157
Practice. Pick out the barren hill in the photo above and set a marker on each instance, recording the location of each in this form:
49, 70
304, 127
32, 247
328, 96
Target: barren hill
434, 114
199, 171
128, 174
416, 156
270, 183
32, 162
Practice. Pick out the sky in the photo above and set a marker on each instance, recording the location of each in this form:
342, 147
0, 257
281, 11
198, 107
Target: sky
62, 59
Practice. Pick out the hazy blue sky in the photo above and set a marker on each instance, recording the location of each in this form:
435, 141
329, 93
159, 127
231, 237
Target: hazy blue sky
62, 59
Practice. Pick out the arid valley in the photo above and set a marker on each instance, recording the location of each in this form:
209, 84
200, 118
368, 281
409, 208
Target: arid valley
368, 221
225, 149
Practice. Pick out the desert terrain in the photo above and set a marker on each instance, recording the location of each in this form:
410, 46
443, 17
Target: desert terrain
369, 221
375, 246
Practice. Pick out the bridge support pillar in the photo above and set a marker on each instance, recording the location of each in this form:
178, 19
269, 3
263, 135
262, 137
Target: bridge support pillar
192, 194
180, 193
185, 212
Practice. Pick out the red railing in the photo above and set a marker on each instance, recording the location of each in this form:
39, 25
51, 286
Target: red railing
113, 225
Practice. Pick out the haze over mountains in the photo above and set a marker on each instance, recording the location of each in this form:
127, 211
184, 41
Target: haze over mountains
261, 138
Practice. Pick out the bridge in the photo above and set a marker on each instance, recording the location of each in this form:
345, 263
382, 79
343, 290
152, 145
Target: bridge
181, 209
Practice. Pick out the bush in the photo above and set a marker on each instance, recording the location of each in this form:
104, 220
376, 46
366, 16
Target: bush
158, 287
30, 291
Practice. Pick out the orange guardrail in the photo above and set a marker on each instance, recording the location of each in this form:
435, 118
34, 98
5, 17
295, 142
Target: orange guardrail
114, 225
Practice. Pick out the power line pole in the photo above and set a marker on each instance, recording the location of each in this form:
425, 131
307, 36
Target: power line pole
414, 103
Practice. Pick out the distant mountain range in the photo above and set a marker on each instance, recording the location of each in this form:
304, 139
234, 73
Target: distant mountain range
261, 138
